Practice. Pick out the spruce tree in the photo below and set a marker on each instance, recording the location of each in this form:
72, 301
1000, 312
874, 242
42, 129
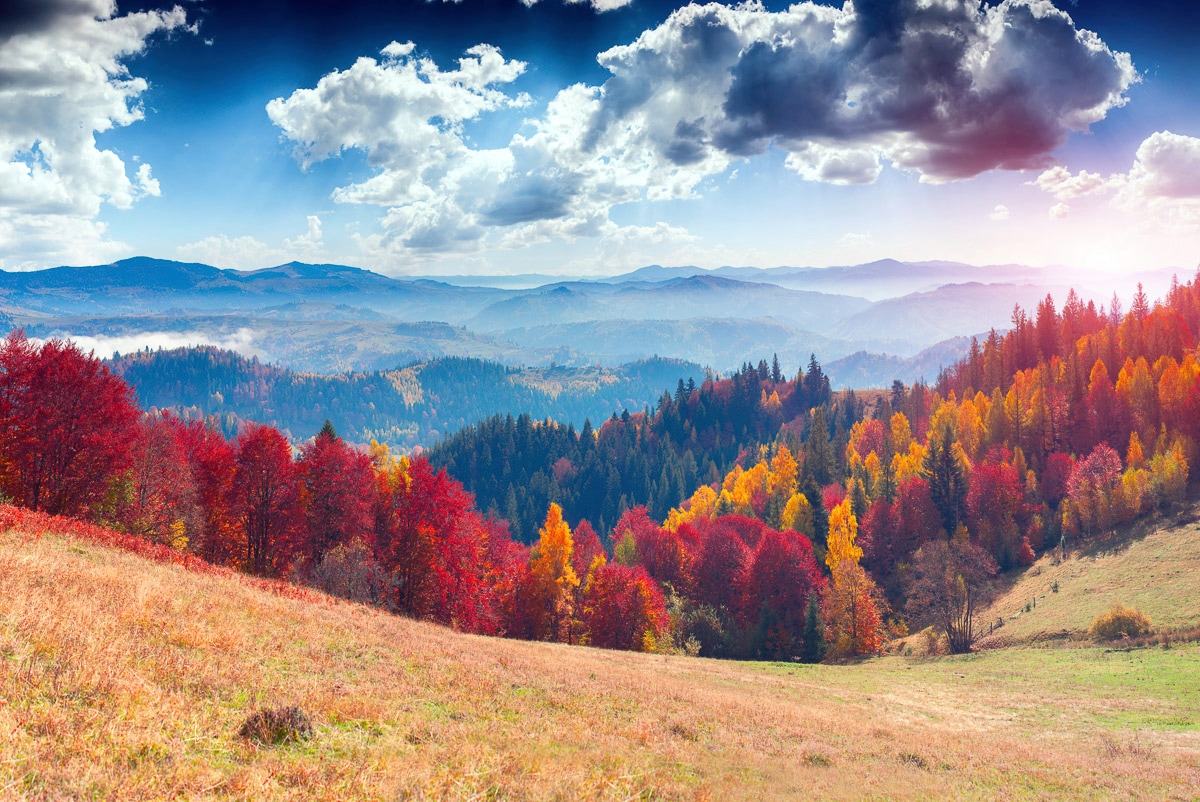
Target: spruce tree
814, 633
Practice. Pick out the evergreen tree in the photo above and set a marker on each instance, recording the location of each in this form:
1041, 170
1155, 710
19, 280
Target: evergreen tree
820, 461
814, 633
947, 480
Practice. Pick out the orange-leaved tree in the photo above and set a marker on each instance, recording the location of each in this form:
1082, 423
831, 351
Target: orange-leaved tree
554, 580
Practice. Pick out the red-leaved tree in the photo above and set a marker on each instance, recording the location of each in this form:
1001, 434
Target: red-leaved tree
210, 456
336, 494
776, 584
66, 426
624, 609
264, 497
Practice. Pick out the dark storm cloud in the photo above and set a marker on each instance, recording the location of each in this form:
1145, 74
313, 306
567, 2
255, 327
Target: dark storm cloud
36, 16
950, 89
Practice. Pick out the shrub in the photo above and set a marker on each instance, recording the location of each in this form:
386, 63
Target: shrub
350, 572
278, 725
1120, 622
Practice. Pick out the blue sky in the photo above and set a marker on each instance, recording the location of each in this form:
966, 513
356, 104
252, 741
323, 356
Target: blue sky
495, 137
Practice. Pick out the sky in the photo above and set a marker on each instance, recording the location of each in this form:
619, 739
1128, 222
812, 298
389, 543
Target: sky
594, 137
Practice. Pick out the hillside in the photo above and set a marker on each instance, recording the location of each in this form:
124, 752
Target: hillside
863, 369
722, 343
405, 407
1155, 568
910, 323
124, 678
148, 286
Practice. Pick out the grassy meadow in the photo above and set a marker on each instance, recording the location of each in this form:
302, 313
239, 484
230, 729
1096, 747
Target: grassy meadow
128, 679
1153, 566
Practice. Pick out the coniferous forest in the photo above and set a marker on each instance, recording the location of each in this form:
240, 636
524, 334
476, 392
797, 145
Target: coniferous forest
408, 407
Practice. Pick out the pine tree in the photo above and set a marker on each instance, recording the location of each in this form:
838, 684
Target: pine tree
814, 633
947, 481
820, 460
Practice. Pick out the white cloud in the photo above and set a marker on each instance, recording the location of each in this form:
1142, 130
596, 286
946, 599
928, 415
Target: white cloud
1059, 211
407, 115
1062, 184
249, 253
241, 253
1162, 186
1165, 180
833, 165
597, 5
922, 84
147, 184
855, 240
999, 214
629, 246
63, 81
311, 240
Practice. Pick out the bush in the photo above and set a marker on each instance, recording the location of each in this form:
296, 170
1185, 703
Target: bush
1120, 622
350, 572
277, 726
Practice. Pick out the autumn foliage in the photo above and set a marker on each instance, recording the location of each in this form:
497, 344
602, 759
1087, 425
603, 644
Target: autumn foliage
827, 515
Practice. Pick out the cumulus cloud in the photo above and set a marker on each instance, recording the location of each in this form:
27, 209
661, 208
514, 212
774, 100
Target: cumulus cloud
1162, 185
943, 88
999, 213
407, 114
855, 240
63, 81
1062, 184
311, 240
1059, 211
597, 5
1165, 168
249, 253
241, 253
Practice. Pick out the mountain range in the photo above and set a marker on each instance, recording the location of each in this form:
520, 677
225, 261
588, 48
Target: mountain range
887, 317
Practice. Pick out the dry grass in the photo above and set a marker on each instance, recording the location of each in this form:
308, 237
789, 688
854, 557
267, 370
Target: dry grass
126, 679
1154, 568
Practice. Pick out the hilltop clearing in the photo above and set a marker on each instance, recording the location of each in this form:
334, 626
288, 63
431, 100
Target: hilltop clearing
124, 678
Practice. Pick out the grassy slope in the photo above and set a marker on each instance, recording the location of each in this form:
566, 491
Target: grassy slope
1155, 568
128, 679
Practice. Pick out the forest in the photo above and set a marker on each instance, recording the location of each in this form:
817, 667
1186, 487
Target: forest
754, 516
408, 407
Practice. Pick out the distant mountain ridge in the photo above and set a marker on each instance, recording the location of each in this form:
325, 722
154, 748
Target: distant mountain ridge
335, 318
149, 285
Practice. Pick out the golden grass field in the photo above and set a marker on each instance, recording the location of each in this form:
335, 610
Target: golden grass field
1154, 566
126, 679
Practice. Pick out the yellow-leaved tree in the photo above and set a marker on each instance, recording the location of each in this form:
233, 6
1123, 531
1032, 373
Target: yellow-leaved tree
851, 602
843, 531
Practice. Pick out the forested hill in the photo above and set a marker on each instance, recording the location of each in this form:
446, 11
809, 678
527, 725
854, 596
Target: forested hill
411, 406
517, 466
